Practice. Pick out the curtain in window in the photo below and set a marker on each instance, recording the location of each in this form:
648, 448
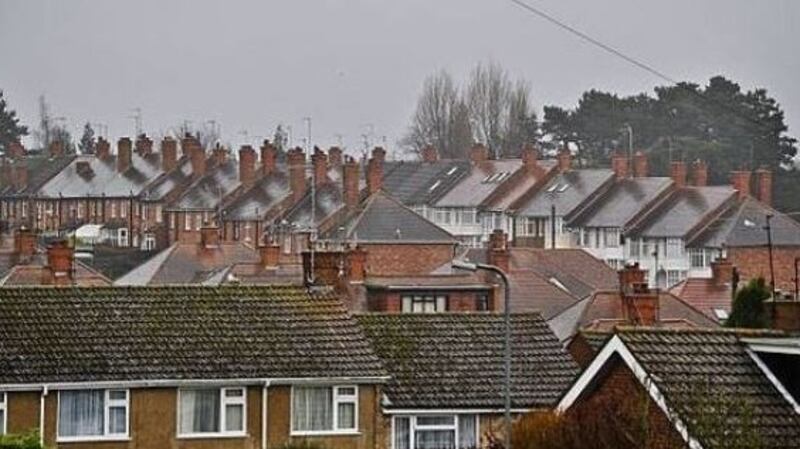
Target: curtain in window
200, 411
402, 430
434, 439
313, 408
81, 413
346, 415
467, 438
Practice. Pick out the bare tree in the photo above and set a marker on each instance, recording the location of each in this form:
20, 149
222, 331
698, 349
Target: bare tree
521, 127
437, 120
488, 93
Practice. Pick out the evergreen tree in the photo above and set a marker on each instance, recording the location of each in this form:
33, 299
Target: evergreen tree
748, 308
10, 129
87, 142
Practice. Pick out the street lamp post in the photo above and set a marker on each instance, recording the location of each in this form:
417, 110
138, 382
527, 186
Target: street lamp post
507, 350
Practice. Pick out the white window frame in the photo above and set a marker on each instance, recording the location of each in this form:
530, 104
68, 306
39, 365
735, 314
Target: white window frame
123, 209
336, 399
413, 426
107, 404
224, 401
4, 409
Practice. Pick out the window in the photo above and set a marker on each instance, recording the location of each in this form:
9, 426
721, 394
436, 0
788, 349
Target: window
697, 258
424, 303
123, 209
673, 277
324, 409
122, 237
435, 432
611, 238
198, 222
482, 302
113, 209
158, 214
212, 411
187, 222
93, 414
633, 248
468, 216
674, 248
2, 413
149, 242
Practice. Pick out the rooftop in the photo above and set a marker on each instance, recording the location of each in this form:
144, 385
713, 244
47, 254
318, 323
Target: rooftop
625, 199
685, 209
566, 192
417, 183
103, 179
743, 225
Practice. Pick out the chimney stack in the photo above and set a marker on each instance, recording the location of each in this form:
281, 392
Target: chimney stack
374, 175
219, 155
335, 157
296, 160
699, 173
209, 236
270, 255
20, 178
499, 254
764, 185
269, 158
169, 154
319, 161
15, 150
741, 182
123, 154
56, 148
379, 153
429, 154
619, 163
640, 304
678, 173
530, 157
24, 244
102, 149
564, 159
721, 271
247, 166
144, 145
640, 165
784, 315
350, 183
60, 258
478, 153
187, 142
197, 156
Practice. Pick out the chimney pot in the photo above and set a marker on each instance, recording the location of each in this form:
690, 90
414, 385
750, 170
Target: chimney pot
219, 155
123, 154
379, 153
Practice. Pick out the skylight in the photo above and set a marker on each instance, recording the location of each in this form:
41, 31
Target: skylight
552, 188
434, 186
452, 170
563, 188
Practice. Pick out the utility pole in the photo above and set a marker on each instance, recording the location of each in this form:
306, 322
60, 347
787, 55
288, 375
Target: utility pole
630, 146
768, 228
312, 237
796, 280
553, 226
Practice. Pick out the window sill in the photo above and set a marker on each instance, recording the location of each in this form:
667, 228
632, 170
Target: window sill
210, 436
324, 433
89, 439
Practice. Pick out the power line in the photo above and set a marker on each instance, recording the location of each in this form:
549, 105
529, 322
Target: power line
633, 61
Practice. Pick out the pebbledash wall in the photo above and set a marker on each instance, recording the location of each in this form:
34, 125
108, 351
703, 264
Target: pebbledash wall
153, 415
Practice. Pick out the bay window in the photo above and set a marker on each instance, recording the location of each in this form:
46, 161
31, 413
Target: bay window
322, 410
93, 414
435, 432
212, 411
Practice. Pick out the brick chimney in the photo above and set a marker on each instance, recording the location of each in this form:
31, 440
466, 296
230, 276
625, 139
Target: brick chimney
721, 271
564, 158
15, 150
478, 153
219, 155
270, 255
143, 145
699, 173
56, 148
379, 153
24, 244
740, 179
319, 161
374, 175
677, 171
619, 163
209, 236
764, 185
350, 183
357, 264
60, 258
247, 166
335, 157
197, 157
640, 305
429, 154
336, 268
102, 149
530, 157
499, 254
169, 154
296, 160
123, 154
784, 315
20, 178
187, 143
640, 165
269, 158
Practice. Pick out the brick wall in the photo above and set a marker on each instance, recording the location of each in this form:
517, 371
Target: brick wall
753, 262
581, 351
394, 259
457, 300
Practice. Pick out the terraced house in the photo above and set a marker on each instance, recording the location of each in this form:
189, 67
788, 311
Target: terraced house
228, 367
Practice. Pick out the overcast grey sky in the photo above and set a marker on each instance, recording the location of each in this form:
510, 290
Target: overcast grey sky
353, 63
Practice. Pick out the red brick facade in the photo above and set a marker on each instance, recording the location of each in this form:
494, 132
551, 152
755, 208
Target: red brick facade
457, 300
753, 262
387, 259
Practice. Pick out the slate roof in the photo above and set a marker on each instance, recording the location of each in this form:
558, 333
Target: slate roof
743, 225
418, 183
208, 191
260, 199
382, 219
684, 211
180, 333
566, 191
622, 202
104, 178
328, 200
41, 168
455, 360
714, 363
169, 182
475, 188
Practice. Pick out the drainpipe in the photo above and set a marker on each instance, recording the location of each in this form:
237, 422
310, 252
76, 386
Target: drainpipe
45, 391
264, 406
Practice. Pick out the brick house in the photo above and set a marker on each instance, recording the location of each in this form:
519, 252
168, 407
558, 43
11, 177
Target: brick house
446, 387
108, 367
22, 263
745, 379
